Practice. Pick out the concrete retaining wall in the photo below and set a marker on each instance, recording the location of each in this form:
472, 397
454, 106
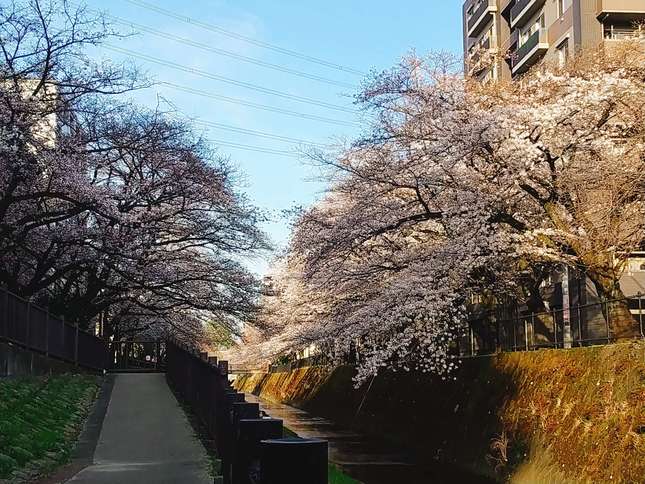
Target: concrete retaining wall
17, 361
544, 416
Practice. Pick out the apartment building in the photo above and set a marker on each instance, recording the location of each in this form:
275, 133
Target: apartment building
53, 115
504, 38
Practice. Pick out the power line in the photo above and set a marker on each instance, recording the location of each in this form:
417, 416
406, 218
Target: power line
260, 134
264, 107
256, 149
228, 53
227, 80
235, 35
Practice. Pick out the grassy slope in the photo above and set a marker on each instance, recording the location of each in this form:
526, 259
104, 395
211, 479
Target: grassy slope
544, 416
40, 419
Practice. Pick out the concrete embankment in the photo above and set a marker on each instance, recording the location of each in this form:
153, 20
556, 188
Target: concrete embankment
545, 416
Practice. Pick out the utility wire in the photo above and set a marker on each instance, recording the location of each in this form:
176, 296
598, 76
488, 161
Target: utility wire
227, 80
257, 149
241, 102
250, 40
260, 134
228, 53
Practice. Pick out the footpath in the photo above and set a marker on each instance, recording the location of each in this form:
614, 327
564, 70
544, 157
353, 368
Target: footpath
145, 438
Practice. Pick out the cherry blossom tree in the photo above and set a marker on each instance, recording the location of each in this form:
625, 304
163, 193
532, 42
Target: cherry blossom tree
462, 188
108, 211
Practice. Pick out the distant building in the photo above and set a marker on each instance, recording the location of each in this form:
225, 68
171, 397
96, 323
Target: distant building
519, 33
53, 115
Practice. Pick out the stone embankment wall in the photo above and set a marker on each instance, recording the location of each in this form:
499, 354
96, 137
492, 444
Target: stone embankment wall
544, 416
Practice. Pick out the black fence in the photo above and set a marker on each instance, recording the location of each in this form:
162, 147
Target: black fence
250, 446
36, 329
490, 333
580, 325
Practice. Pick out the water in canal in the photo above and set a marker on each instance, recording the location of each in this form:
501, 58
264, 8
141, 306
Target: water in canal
365, 458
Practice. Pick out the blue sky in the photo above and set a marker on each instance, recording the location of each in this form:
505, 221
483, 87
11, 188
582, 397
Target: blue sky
359, 34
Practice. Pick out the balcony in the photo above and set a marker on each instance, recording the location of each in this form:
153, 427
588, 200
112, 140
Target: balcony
529, 52
481, 16
523, 10
479, 57
621, 10
510, 45
627, 33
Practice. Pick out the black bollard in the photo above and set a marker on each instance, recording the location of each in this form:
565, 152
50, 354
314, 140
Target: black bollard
223, 367
233, 397
250, 432
293, 461
203, 355
212, 360
244, 410
226, 431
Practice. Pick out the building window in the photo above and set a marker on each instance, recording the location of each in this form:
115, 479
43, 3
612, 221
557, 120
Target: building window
563, 52
563, 6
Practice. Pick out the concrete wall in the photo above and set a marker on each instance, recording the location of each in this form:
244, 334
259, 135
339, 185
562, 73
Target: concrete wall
559, 416
17, 361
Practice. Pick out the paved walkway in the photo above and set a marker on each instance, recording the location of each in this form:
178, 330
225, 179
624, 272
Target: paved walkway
366, 459
145, 438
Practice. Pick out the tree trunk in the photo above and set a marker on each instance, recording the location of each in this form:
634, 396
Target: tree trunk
622, 325
544, 333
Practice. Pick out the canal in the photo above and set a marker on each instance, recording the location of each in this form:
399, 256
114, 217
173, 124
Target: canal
369, 460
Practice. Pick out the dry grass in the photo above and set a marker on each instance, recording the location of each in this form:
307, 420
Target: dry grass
583, 410
553, 416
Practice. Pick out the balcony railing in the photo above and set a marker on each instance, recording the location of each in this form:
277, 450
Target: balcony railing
523, 10
478, 19
525, 56
624, 34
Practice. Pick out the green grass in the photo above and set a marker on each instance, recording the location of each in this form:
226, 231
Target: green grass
40, 419
336, 476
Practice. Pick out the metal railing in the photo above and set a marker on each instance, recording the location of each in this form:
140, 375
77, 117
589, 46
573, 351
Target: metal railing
251, 447
518, 57
34, 328
624, 34
482, 9
580, 325
523, 9
576, 326
319, 359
